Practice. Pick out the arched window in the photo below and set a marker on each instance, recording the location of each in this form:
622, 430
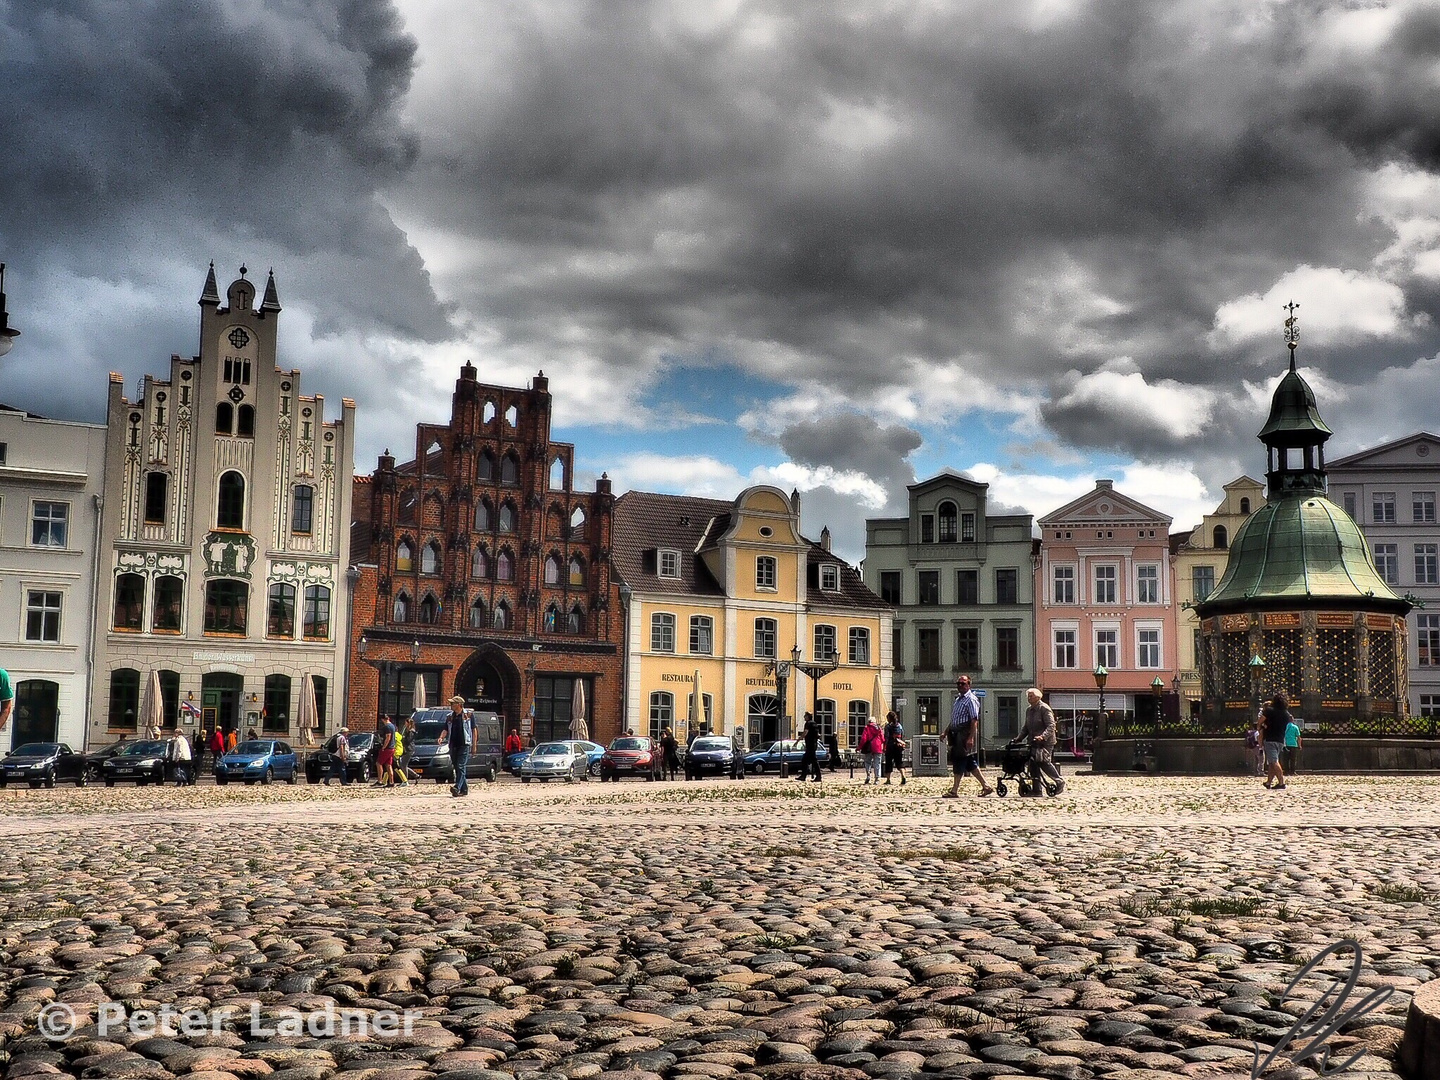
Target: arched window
512, 416
479, 564
230, 502
482, 515
402, 607
245, 421
509, 468
504, 568
557, 475
404, 557
429, 608
577, 524
552, 569
662, 711
477, 614
662, 632
507, 517
487, 412
502, 616
302, 509
129, 602
124, 698
277, 705
551, 614
575, 623
1222, 537
169, 602
157, 486
577, 570
280, 616
1244, 506
226, 604
949, 521
224, 418
485, 465
316, 626
430, 558
169, 698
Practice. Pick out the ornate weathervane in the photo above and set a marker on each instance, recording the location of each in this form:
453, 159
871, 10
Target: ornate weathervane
1292, 331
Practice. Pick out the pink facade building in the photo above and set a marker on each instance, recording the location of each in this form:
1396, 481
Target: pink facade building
1105, 596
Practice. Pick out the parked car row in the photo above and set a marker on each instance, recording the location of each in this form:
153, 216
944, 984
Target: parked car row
263, 761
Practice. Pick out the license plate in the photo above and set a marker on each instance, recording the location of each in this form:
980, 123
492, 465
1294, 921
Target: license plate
125, 772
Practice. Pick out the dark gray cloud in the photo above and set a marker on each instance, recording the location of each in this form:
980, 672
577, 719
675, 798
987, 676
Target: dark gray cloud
1044, 205
141, 142
861, 193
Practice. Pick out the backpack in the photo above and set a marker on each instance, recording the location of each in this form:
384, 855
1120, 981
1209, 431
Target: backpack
1252, 739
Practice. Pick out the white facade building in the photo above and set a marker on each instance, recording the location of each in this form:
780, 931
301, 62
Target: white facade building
225, 536
51, 476
1390, 491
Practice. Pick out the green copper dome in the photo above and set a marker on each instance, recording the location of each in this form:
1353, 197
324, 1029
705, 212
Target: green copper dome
1300, 550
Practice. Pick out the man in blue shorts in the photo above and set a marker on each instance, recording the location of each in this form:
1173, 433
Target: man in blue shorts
963, 735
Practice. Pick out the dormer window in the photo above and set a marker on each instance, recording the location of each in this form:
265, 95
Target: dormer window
667, 563
829, 577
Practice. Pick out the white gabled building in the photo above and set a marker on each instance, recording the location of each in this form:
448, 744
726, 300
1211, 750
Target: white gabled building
51, 476
225, 536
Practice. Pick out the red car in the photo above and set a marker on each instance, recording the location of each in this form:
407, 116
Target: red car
631, 755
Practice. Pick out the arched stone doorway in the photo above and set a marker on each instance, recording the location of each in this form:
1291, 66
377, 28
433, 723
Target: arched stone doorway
490, 682
763, 719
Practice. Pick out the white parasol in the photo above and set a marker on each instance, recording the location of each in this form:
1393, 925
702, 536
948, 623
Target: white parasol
154, 711
308, 717
579, 729
421, 701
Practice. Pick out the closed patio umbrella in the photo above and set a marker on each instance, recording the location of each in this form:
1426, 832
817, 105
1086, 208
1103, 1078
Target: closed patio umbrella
579, 729
421, 701
697, 706
154, 711
877, 701
308, 716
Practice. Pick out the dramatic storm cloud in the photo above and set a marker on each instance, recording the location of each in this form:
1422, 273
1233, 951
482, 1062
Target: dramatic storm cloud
856, 242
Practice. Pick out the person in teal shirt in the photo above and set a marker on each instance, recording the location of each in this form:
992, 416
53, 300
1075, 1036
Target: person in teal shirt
1292, 745
7, 698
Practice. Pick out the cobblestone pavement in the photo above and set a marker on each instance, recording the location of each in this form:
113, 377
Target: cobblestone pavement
1132, 928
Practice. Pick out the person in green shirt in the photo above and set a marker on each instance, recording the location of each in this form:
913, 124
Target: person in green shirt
1292, 745
7, 698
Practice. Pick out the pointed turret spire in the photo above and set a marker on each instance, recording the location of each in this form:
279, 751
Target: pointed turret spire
272, 298
211, 293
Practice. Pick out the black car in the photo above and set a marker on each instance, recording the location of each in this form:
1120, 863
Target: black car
95, 758
709, 755
142, 762
39, 763
359, 760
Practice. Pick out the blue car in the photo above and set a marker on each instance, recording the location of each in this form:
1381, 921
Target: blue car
514, 761
258, 759
767, 758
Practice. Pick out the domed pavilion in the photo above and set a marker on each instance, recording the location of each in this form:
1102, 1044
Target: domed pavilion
1301, 608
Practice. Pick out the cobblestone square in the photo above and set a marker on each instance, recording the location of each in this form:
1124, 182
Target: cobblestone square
1132, 928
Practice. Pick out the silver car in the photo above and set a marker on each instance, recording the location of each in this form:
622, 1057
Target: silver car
555, 761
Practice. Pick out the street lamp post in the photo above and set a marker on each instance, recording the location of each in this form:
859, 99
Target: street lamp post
8, 333
1158, 689
780, 669
1101, 728
816, 670
1257, 672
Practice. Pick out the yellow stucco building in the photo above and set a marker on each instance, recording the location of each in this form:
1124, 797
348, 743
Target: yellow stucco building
716, 591
1200, 561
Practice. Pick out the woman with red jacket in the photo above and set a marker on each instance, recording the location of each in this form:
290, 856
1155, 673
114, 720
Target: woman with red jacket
872, 749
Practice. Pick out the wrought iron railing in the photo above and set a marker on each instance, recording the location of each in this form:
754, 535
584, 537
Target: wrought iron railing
1235, 727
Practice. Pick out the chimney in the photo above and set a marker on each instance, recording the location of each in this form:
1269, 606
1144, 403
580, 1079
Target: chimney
825, 537
1108, 485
